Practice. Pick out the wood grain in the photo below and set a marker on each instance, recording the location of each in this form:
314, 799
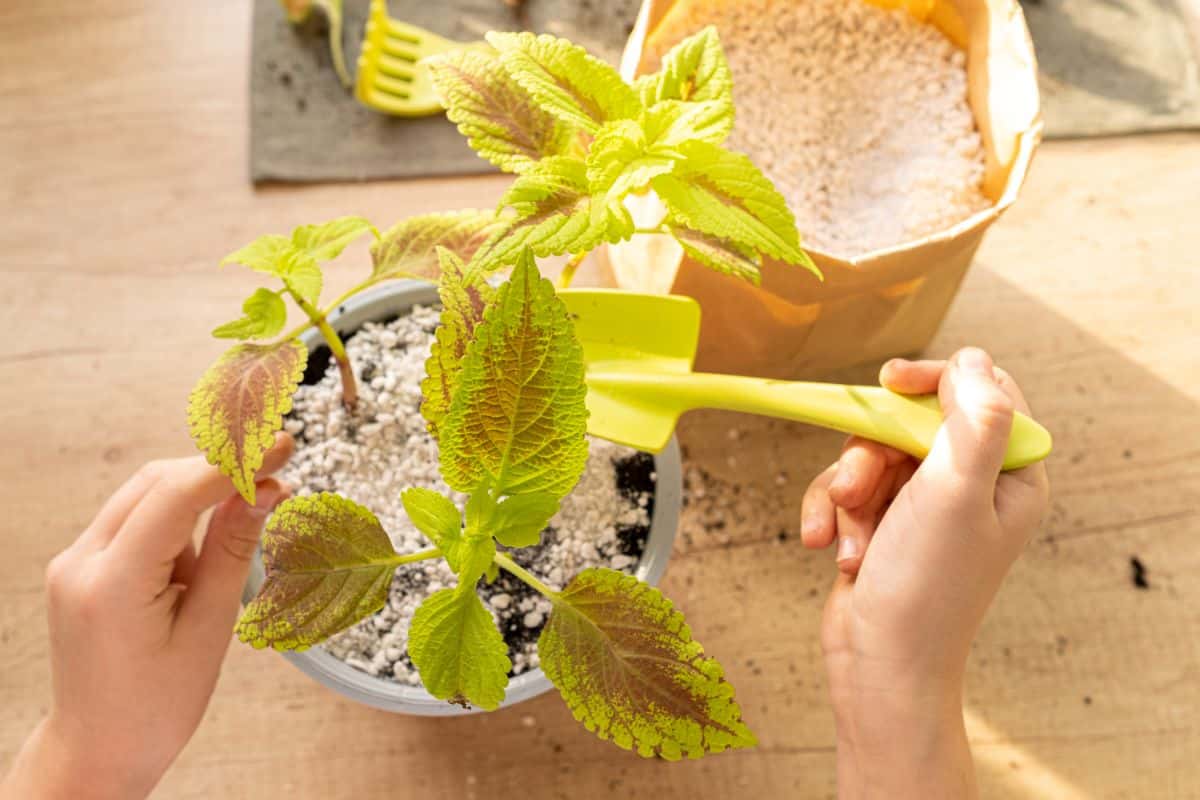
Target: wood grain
123, 180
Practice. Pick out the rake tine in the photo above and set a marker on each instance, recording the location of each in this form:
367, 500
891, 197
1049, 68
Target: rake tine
397, 69
402, 53
392, 86
388, 70
403, 32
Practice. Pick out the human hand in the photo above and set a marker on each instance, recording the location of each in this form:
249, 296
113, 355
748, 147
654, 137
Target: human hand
139, 626
922, 550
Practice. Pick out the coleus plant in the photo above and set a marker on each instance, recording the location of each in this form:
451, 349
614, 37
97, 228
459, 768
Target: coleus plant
581, 140
505, 389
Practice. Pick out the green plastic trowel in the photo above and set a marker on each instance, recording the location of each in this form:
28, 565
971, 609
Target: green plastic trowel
639, 350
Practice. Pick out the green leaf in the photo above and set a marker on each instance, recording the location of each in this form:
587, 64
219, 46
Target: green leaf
554, 213
564, 80
722, 194
624, 660
517, 521
467, 553
409, 248
238, 405
619, 162
693, 70
474, 555
301, 275
456, 647
463, 303
719, 254
433, 515
518, 417
498, 117
264, 254
671, 123
278, 256
327, 240
329, 564
264, 316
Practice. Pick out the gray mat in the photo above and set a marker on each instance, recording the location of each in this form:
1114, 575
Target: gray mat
1115, 66
305, 127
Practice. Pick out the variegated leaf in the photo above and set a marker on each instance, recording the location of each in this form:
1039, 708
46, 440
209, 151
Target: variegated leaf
499, 118
409, 248
518, 417
463, 303
328, 564
625, 661
563, 79
552, 213
238, 406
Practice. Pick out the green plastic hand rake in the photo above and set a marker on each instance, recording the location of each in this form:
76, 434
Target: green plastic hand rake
390, 79
639, 350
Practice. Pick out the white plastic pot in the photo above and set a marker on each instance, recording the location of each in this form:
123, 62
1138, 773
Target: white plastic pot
387, 302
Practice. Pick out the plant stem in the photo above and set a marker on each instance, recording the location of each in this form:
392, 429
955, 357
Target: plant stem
508, 565
568, 273
329, 309
296, 331
657, 229
346, 295
336, 347
420, 555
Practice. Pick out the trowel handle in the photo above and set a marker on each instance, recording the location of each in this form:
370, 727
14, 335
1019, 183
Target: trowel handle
904, 422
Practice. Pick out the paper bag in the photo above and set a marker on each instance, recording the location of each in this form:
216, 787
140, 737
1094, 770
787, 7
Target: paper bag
883, 303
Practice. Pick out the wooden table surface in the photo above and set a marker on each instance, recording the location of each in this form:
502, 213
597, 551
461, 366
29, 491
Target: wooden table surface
123, 179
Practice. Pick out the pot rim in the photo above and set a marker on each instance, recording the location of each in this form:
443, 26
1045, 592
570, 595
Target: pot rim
396, 298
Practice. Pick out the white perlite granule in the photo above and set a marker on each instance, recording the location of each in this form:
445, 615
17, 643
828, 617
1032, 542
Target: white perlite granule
383, 448
858, 114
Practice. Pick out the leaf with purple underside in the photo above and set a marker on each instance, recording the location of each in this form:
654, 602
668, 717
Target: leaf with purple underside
624, 660
238, 405
499, 118
463, 303
409, 248
518, 419
722, 194
552, 212
565, 80
719, 254
328, 565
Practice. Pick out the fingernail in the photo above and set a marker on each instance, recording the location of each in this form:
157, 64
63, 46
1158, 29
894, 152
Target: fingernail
975, 361
847, 549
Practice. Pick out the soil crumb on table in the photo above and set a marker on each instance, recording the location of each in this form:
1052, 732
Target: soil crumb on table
383, 448
858, 114
1137, 574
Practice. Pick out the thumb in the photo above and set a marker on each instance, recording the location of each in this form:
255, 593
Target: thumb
976, 425
211, 602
